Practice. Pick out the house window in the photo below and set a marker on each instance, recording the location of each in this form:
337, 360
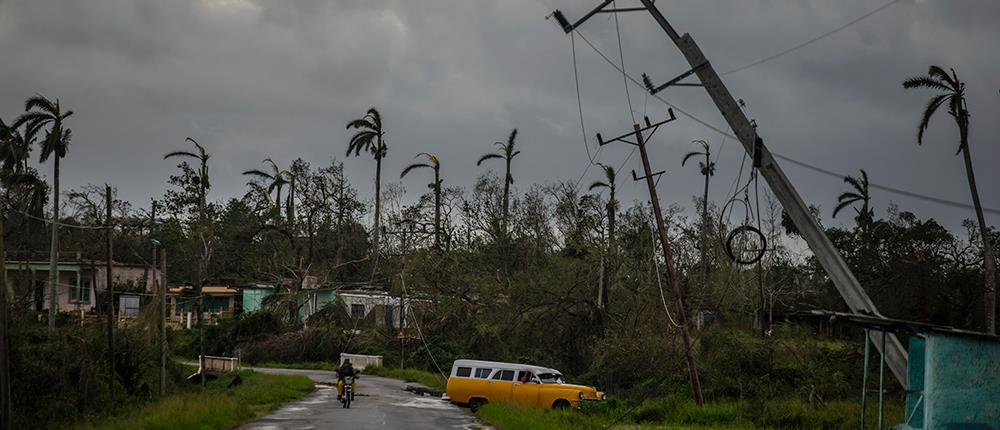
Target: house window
84, 290
74, 290
357, 311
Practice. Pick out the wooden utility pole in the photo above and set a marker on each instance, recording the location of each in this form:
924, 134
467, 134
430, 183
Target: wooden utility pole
163, 321
406, 235
5, 409
640, 142
826, 253
108, 231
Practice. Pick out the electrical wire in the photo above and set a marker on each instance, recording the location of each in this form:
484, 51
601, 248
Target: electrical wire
416, 323
621, 57
659, 284
704, 123
810, 41
579, 100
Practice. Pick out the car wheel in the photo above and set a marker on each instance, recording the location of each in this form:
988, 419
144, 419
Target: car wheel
475, 404
561, 404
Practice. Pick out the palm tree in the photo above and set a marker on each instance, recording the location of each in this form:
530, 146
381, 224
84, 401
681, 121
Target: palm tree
42, 112
435, 164
506, 153
11, 175
953, 95
370, 138
859, 194
612, 208
201, 177
15, 148
707, 169
277, 179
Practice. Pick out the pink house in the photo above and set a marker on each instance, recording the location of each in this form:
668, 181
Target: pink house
79, 282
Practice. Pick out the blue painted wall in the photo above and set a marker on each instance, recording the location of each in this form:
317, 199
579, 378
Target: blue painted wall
960, 383
253, 297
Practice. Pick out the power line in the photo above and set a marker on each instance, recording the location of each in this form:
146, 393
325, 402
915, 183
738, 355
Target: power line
685, 113
924, 197
621, 57
810, 41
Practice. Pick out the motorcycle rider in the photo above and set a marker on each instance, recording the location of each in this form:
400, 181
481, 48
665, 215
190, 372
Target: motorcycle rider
346, 369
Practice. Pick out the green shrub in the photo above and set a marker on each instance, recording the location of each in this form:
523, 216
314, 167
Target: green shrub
61, 376
217, 408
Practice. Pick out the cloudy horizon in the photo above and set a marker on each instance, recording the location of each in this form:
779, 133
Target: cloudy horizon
253, 79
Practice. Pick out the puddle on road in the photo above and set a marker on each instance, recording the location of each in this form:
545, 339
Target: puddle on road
425, 403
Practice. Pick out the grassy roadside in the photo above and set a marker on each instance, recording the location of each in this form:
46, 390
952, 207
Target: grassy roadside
430, 379
677, 413
217, 408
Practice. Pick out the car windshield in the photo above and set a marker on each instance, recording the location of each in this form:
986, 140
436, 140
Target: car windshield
550, 378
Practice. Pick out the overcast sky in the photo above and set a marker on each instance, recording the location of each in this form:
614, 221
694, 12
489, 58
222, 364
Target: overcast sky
278, 78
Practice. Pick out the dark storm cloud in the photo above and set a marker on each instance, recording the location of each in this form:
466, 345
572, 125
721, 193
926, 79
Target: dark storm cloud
252, 79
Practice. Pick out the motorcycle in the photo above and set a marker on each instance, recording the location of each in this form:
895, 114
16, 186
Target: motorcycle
348, 396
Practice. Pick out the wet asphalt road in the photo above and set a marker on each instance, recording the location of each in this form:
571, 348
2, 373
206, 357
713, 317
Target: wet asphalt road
380, 403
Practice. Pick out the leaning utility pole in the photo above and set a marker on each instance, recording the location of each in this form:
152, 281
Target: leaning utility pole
5, 409
640, 142
108, 231
826, 253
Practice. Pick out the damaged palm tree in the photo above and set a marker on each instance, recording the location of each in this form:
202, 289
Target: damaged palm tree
435, 164
201, 179
952, 94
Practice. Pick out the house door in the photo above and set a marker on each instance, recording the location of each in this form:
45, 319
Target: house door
39, 295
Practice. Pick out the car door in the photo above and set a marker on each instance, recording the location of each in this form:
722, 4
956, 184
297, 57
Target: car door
524, 391
499, 385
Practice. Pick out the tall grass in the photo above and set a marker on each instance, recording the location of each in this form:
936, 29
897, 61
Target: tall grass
217, 408
678, 413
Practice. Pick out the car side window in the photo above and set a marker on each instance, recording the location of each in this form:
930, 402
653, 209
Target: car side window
524, 376
507, 375
483, 373
464, 372
496, 376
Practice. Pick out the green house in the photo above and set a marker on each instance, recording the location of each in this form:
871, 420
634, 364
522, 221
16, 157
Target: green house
254, 295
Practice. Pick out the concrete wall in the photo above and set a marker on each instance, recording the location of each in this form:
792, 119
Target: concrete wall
254, 297
960, 384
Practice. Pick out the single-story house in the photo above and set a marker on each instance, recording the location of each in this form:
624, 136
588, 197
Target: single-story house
78, 284
220, 301
373, 303
254, 295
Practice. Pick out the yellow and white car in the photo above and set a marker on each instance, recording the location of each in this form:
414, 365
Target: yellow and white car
474, 383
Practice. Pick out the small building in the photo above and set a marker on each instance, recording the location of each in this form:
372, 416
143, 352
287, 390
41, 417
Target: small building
219, 302
373, 304
253, 296
79, 282
952, 376
314, 300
